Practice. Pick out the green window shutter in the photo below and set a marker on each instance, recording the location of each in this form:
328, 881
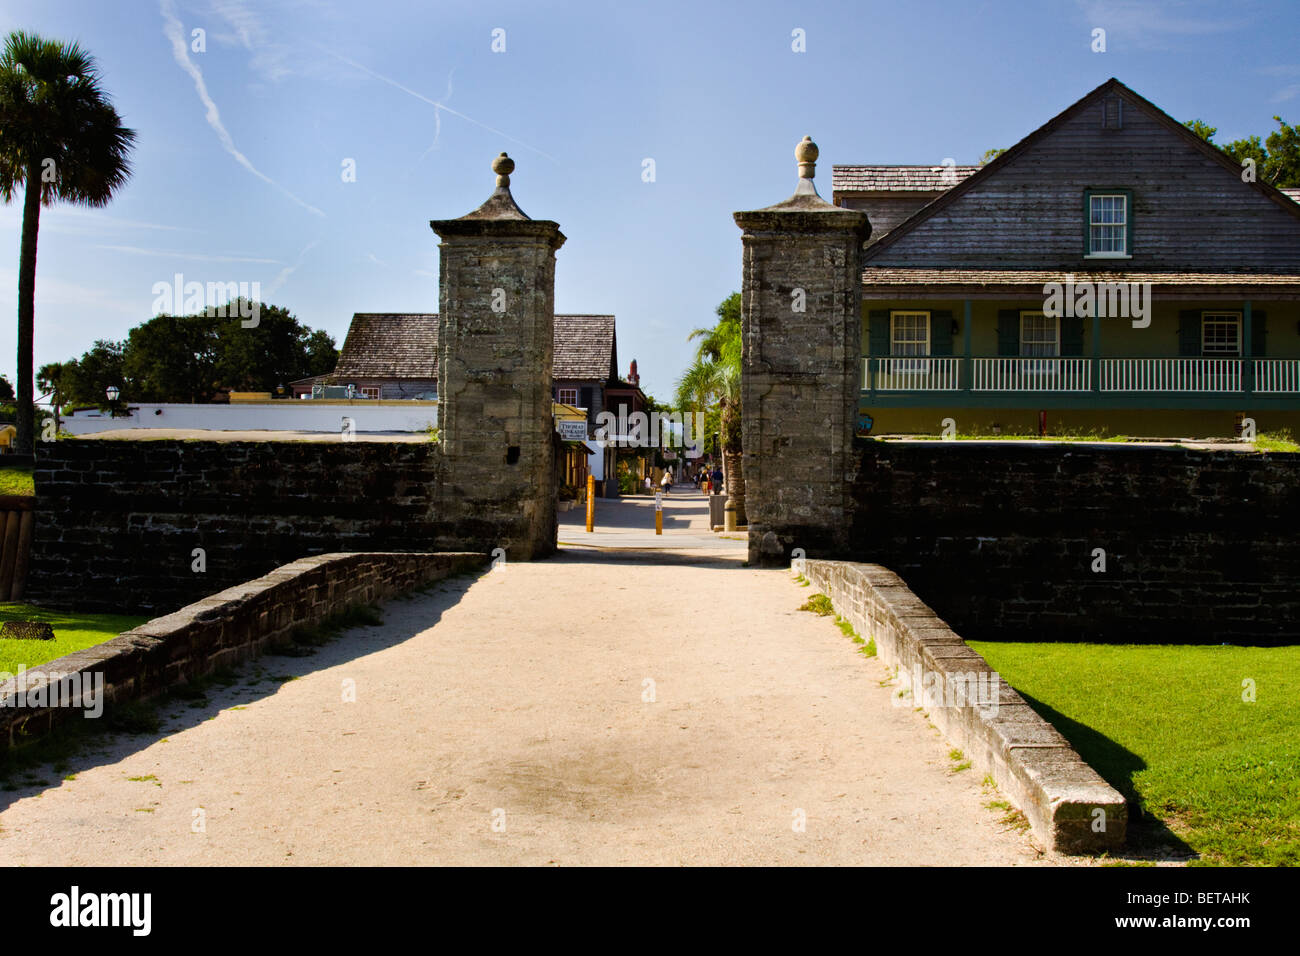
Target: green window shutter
1258, 337
941, 332
1008, 331
1071, 335
1189, 332
878, 332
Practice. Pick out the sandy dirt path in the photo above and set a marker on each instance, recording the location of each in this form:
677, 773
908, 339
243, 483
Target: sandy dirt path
596, 708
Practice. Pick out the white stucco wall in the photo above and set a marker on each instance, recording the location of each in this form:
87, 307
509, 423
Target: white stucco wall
283, 415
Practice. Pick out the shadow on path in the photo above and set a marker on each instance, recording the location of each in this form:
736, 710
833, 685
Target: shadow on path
81, 745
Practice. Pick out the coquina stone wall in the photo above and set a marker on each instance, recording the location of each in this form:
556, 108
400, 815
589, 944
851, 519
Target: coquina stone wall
152, 525
118, 522
1002, 539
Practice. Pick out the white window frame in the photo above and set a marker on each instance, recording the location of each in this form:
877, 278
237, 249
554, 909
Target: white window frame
893, 331
1056, 344
1220, 316
910, 364
1123, 228
560, 394
1041, 366
369, 391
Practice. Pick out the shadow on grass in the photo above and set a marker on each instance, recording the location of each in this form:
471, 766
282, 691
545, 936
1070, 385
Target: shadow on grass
1148, 836
79, 745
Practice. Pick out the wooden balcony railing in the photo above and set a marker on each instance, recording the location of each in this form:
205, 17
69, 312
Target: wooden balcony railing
1183, 376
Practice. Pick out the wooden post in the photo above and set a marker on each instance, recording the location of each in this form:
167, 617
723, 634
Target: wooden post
969, 375
591, 501
1247, 361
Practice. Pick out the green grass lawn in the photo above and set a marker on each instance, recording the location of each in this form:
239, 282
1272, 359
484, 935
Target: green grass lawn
72, 632
1166, 725
16, 481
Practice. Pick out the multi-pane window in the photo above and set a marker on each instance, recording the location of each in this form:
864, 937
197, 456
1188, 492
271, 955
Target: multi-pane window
370, 391
1220, 333
909, 333
1040, 335
568, 396
1107, 224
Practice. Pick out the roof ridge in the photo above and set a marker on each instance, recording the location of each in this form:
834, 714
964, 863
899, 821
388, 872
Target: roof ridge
994, 165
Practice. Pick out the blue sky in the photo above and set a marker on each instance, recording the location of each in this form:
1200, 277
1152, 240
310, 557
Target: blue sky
246, 185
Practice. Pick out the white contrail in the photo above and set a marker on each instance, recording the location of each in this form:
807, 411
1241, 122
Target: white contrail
437, 121
175, 32
436, 104
287, 271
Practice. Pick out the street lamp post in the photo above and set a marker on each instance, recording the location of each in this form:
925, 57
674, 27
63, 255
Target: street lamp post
113, 393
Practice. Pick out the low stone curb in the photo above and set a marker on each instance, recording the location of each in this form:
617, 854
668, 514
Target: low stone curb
219, 631
1071, 808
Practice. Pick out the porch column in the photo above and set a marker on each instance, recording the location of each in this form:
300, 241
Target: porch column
968, 372
1247, 366
801, 330
1096, 351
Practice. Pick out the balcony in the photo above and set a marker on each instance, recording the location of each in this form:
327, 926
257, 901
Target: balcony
1081, 382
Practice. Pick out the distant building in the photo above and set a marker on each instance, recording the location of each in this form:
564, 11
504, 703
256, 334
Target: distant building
1111, 269
394, 355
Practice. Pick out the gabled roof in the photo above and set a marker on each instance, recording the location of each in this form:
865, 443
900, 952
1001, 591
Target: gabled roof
585, 347
1020, 281
993, 167
1292, 192
405, 345
897, 178
390, 345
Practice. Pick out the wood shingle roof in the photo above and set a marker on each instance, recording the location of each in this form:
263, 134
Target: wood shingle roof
856, 178
405, 345
584, 347
390, 345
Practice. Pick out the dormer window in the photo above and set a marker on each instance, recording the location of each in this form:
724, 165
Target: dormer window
1108, 223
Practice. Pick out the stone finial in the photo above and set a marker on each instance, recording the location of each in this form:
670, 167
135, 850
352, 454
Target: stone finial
503, 166
806, 154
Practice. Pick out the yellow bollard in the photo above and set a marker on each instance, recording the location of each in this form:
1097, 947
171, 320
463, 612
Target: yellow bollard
591, 501
659, 512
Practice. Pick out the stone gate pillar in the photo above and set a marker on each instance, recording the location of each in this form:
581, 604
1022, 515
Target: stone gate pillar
801, 371
496, 298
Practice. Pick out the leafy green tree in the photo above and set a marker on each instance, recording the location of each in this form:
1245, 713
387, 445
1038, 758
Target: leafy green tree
1203, 130
1277, 158
322, 355
60, 140
172, 358
85, 381
193, 358
713, 380
990, 155
278, 350
6, 389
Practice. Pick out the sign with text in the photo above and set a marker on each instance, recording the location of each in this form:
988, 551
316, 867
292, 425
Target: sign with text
572, 431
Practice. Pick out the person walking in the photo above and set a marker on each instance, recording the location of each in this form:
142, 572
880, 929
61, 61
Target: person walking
717, 479
666, 482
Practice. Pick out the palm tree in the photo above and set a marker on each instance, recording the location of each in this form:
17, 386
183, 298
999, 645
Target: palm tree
714, 379
60, 139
